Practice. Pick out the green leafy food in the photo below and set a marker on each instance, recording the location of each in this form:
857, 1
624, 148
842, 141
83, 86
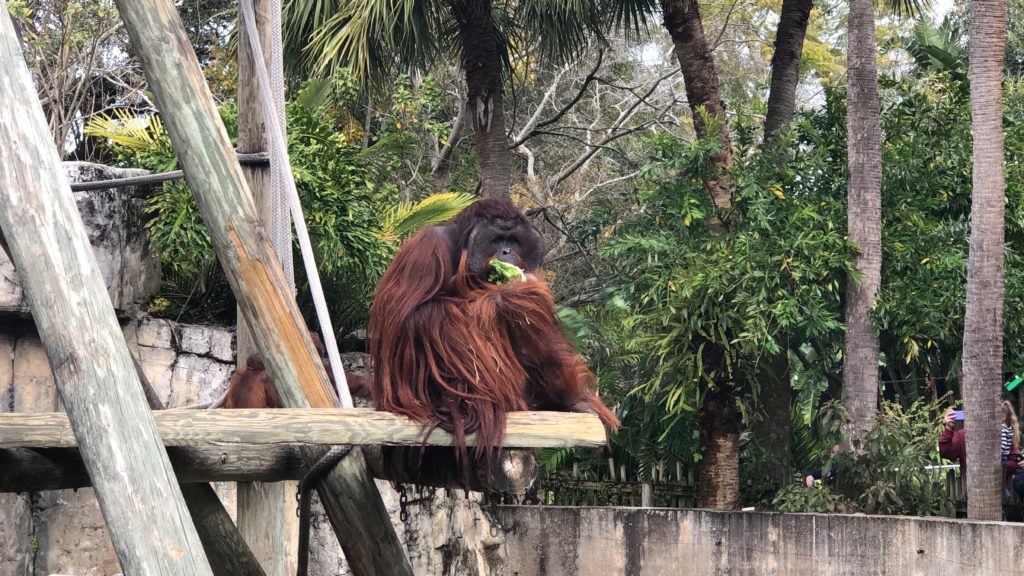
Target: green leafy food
502, 272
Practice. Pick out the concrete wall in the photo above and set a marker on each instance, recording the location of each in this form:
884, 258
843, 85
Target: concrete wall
648, 542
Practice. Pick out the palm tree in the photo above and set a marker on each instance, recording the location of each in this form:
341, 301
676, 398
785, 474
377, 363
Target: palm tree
789, 49
374, 37
983, 319
682, 20
864, 219
719, 416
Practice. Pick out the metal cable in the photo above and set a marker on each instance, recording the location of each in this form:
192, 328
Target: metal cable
256, 158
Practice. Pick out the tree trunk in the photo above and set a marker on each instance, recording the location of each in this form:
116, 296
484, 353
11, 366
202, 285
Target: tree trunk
719, 475
789, 48
719, 471
864, 220
682, 20
983, 320
481, 60
771, 428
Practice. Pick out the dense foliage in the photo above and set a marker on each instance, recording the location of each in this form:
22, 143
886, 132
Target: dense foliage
888, 474
353, 213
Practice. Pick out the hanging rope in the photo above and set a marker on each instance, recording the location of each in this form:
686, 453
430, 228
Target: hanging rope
279, 156
280, 225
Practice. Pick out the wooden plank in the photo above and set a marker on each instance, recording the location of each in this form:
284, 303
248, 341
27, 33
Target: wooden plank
322, 426
38, 469
145, 513
25, 469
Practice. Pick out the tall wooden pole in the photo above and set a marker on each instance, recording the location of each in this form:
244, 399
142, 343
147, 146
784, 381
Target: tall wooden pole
148, 522
350, 497
261, 506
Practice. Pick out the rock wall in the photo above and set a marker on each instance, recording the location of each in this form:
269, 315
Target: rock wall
115, 222
62, 532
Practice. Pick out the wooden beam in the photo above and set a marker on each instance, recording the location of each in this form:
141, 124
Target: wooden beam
38, 469
227, 551
512, 472
29, 470
349, 495
224, 200
325, 426
145, 513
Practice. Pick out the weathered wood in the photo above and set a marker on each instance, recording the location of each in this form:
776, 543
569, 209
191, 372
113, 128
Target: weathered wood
224, 200
38, 469
27, 469
261, 517
145, 513
261, 507
254, 273
325, 426
252, 138
225, 548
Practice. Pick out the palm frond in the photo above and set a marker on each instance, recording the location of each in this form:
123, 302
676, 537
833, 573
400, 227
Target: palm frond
629, 16
373, 36
908, 8
127, 128
406, 218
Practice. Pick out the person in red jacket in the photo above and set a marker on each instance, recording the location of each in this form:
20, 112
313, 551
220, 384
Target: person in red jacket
952, 445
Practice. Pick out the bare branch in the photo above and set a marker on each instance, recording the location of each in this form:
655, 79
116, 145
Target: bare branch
528, 131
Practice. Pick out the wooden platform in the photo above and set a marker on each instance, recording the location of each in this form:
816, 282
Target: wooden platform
325, 426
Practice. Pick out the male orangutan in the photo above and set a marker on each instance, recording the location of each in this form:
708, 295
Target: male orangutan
452, 349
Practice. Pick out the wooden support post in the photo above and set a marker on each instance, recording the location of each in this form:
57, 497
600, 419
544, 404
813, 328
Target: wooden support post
148, 522
261, 507
349, 495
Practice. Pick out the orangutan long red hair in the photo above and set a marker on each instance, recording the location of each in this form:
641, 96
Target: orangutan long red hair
455, 351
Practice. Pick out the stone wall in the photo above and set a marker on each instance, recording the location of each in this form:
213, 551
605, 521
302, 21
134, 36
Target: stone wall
115, 222
62, 532
557, 541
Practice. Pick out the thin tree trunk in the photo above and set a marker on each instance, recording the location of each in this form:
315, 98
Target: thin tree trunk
771, 429
789, 49
481, 60
683, 22
983, 320
719, 473
864, 219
